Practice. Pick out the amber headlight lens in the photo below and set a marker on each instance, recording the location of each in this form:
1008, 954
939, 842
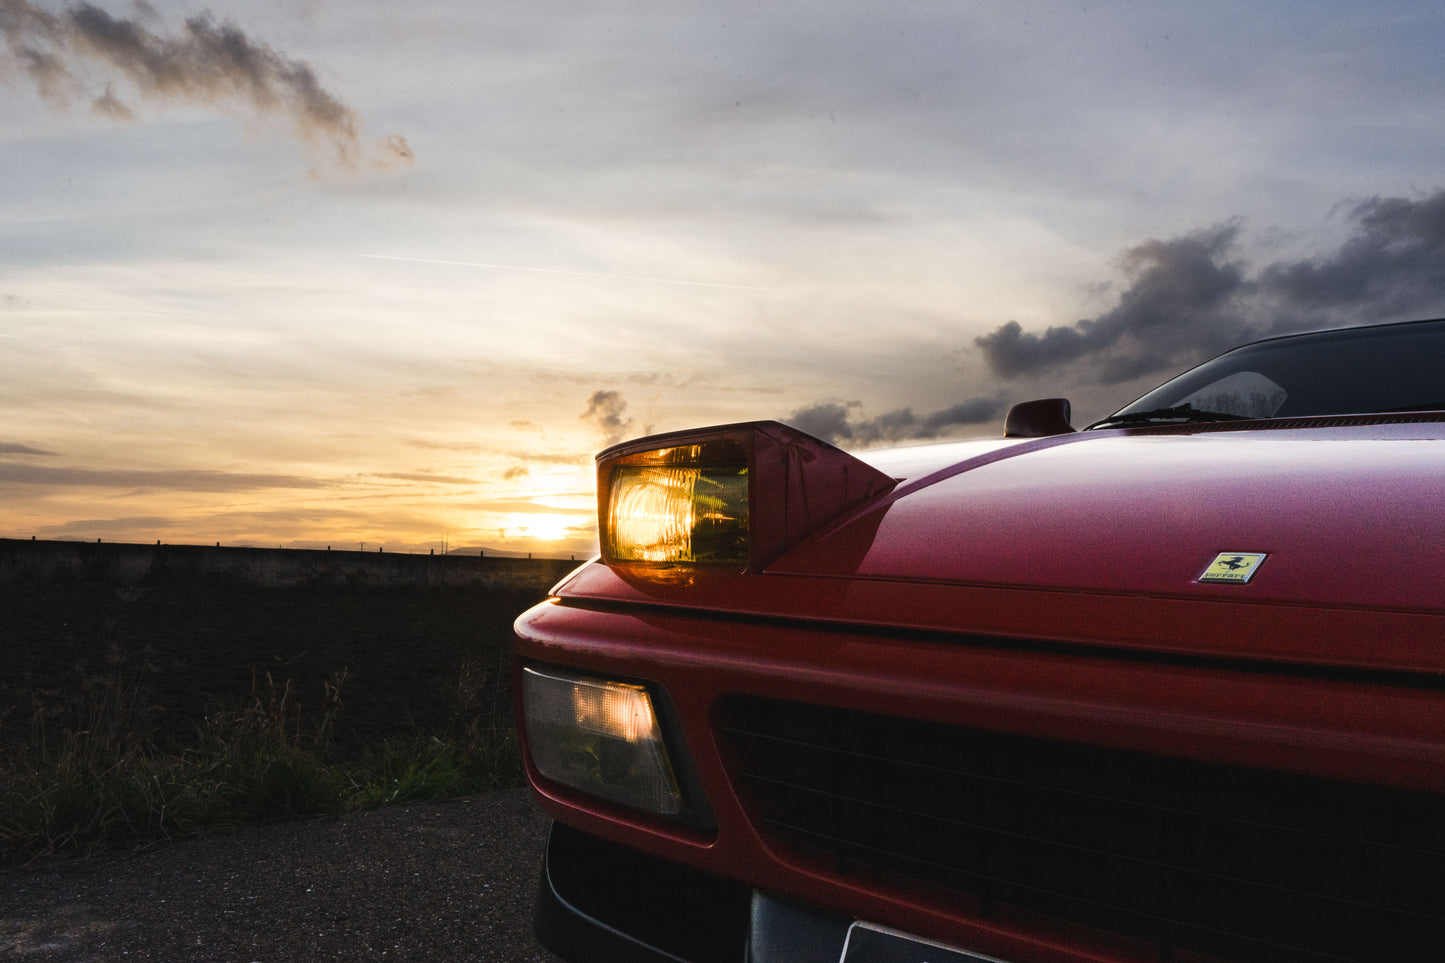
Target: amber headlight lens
679, 513
599, 737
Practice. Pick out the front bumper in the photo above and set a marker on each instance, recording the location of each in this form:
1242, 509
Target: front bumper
979, 750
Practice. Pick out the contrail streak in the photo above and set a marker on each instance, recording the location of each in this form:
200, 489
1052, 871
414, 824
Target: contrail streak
577, 274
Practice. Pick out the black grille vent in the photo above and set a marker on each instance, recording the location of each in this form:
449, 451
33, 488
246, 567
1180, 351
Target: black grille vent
1195, 858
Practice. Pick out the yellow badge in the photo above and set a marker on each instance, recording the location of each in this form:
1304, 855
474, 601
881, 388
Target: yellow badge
1235, 568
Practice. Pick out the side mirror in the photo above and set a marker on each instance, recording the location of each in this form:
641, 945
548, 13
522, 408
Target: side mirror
1038, 419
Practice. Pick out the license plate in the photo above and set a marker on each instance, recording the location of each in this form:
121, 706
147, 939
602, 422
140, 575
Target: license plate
874, 944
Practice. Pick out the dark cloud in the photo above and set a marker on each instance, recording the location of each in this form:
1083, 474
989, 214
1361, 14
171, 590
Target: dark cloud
1178, 289
832, 422
1189, 297
191, 481
515, 472
13, 448
1393, 264
205, 62
828, 421
607, 412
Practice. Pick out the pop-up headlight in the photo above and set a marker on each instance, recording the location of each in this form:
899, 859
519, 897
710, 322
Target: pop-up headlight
599, 737
729, 497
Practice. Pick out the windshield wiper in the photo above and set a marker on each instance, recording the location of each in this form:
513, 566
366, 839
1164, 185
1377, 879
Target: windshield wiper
1183, 414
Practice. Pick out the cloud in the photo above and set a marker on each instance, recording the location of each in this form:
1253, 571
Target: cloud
205, 62
1180, 289
606, 411
421, 476
394, 150
1189, 297
13, 448
469, 447
534, 505
831, 421
1394, 263
827, 420
126, 526
182, 480
109, 105
525, 458
553, 456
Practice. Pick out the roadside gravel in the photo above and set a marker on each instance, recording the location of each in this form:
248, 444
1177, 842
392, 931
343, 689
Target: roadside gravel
447, 880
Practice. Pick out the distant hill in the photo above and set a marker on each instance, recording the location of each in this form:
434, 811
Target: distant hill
488, 551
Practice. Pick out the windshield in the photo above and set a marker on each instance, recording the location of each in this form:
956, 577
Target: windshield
1394, 367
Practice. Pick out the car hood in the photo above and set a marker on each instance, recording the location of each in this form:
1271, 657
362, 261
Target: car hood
1347, 515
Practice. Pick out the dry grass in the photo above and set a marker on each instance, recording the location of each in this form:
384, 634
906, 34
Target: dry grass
102, 781
101, 751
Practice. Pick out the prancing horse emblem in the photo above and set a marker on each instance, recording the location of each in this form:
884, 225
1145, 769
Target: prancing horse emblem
1234, 568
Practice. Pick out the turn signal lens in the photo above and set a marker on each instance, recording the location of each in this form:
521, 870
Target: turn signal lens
599, 737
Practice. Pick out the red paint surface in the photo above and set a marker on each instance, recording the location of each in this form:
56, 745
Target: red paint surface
1050, 589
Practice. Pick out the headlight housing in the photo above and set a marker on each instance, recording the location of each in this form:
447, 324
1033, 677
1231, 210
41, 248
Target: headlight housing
732, 497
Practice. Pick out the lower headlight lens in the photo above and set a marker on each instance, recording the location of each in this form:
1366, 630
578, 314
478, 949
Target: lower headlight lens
599, 737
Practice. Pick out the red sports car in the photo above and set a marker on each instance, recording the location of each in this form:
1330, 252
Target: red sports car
1170, 688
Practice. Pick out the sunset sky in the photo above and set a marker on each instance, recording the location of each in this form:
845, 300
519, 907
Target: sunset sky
310, 273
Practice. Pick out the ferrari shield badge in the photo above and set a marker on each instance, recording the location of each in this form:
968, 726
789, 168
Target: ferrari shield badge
1234, 568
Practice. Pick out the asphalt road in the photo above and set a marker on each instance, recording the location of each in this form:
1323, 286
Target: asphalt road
449, 881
